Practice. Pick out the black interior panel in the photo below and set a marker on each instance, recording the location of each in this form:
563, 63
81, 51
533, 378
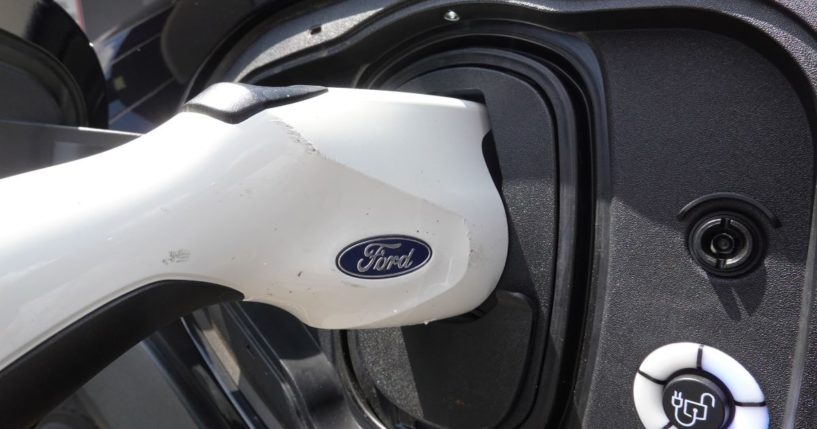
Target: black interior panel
473, 378
694, 113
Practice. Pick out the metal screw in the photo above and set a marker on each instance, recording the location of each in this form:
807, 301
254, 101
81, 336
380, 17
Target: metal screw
451, 16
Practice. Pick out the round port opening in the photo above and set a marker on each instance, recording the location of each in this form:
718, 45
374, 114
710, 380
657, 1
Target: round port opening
726, 244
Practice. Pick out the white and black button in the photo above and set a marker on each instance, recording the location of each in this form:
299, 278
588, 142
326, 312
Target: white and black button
696, 401
692, 386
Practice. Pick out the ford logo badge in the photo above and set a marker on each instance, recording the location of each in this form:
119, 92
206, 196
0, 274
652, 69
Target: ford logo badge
383, 257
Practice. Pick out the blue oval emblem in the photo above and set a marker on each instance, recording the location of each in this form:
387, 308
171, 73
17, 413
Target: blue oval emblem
383, 257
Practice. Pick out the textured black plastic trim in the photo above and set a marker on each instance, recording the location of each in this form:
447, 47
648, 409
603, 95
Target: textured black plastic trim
235, 102
725, 196
42, 378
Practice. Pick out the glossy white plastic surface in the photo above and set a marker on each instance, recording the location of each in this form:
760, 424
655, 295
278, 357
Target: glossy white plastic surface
263, 207
665, 361
647, 397
750, 418
734, 376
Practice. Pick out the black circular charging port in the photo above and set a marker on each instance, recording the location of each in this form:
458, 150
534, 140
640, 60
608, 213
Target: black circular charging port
726, 244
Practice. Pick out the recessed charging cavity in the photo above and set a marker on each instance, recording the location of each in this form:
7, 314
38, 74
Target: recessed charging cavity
524, 150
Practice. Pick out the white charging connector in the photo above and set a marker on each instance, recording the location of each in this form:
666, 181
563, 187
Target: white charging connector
349, 209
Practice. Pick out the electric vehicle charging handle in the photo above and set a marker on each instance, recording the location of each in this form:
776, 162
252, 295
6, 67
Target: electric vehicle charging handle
348, 208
